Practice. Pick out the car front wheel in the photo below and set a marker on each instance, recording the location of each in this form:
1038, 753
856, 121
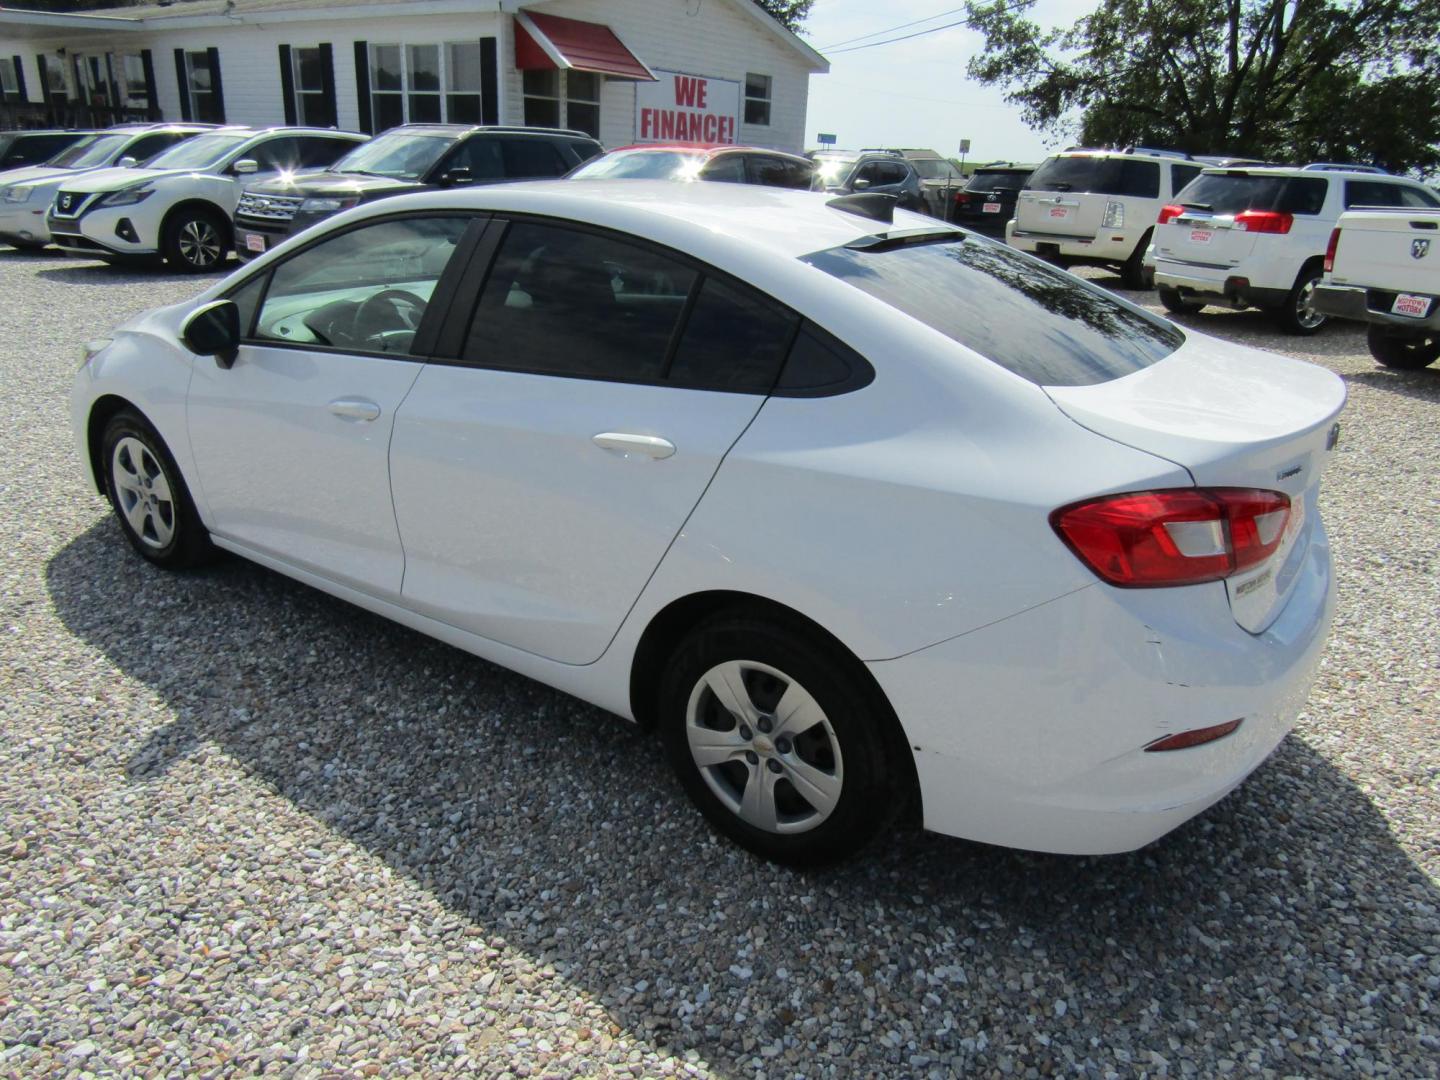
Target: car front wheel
195, 241
149, 496
779, 740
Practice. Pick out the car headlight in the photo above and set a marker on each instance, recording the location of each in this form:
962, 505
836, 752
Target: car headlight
126, 196
90, 348
327, 205
19, 193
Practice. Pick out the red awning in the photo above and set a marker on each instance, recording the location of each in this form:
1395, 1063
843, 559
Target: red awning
549, 41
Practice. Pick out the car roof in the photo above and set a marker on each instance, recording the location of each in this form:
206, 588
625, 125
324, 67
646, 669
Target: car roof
53, 131
1311, 173
458, 130
283, 129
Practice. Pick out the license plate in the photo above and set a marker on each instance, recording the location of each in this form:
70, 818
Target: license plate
991, 208
1201, 236
1060, 212
254, 243
1408, 304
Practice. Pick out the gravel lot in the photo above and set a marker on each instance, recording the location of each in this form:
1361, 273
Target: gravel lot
247, 829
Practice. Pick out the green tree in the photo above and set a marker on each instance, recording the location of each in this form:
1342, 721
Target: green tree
789, 13
1296, 80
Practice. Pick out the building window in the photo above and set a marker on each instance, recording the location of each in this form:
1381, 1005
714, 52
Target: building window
205, 106
9, 84
757, 99
425, 84
565, 99
308, 68
130, 71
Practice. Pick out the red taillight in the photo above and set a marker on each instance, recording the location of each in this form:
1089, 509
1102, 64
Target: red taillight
1180, 536
961, 198
1330, 250
1197, 737
1169, 214
1264, 221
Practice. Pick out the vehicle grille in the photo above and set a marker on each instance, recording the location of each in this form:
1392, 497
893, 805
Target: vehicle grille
268, 207
71, 203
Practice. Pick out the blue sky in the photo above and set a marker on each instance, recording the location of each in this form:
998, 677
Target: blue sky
915, 93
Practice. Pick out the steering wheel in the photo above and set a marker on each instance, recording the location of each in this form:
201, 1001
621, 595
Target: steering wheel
389, 311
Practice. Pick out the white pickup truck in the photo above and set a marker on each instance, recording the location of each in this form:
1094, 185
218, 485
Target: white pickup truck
1382, 266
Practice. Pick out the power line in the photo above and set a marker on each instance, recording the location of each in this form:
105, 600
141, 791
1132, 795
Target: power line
919, 33
892, 29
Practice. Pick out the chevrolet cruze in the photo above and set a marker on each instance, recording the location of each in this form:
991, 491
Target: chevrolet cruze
854, 508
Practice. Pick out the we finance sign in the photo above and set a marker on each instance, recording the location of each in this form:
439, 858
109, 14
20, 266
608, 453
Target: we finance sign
686, 108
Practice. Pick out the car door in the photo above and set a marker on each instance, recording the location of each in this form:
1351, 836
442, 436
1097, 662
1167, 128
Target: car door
290, 443
541, 476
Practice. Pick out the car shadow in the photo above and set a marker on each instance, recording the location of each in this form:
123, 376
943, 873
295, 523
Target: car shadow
1423, 384
498, 795
82, 272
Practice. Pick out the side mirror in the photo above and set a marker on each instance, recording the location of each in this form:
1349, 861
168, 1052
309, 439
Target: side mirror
457, 177
245, 165
128, 162
214, 330
860, 185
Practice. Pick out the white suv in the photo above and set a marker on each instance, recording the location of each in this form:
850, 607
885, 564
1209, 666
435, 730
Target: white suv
179, 205
1255, 237
1098, 207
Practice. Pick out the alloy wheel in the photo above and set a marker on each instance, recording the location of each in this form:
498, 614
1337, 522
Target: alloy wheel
143, 493
199, 243
1305, 313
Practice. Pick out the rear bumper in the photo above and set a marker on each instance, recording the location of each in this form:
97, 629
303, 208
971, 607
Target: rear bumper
1371, 305
1030, 733
1216, 285
1105, 248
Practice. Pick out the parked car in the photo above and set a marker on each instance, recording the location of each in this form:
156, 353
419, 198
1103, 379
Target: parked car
26, 194
987, 203
178, 207
1098, 207
849, 506
1382, 267
939, 179
1241, 238
726, 164
882, 173
20, 148
413, 157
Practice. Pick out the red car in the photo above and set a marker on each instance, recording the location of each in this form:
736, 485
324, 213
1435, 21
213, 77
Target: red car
725, 163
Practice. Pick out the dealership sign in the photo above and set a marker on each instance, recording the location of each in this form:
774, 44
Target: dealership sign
686, 108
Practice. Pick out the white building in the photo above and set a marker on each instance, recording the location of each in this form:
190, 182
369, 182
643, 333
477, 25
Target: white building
624, 70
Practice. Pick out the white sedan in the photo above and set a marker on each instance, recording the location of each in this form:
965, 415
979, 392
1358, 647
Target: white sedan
853, 510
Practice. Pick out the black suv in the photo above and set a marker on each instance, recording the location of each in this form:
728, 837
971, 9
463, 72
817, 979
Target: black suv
988, 200
19, 148
413, 157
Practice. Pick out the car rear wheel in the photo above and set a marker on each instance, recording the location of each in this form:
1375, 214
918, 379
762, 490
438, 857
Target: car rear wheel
1171, 300
1297, 314
779, 740
195, 241
1132, 271
149, 496
1404, 353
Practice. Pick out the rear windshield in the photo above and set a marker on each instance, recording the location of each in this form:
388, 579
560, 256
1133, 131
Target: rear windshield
1230, 193
1029, 318
998, 180
1098, 175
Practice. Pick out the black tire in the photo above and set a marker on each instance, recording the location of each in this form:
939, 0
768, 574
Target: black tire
1295, 315
855, 745
1403, 353
195, 240
1171, 300
166, 531
1132, 271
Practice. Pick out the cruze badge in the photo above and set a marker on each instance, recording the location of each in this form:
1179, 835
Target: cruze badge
1419, 249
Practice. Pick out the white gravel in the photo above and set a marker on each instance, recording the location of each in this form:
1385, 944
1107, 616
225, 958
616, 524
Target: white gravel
248, 829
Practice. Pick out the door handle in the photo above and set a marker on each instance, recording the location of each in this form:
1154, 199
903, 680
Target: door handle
354, 408
625, 444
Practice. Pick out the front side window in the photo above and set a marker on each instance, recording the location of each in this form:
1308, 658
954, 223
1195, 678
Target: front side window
201, 152
205, 103
148, 146
640, 165
726, 168
88, 152
757, 99
562, 99
425, 84
362, 291
1031, 319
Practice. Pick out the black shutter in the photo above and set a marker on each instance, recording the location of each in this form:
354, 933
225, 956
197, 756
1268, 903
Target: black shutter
182, 78
331, 117
489, 82
20, 77
287, 85
362, 86
215, 84
152, 99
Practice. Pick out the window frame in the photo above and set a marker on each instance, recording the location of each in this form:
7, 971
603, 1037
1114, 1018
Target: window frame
302, 93
209, 93
437, 311
767, 100
563, 99
9, 82
442, 93
455, 331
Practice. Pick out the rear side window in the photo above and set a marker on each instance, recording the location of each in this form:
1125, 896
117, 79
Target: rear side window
1098, 175
778, 172
726, 169
531, 157
1230, 193
1025, 316
1180, 175
734, 340
1378, 193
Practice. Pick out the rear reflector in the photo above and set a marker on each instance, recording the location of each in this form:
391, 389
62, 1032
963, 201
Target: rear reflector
1178, 536
1264, 221
1187, 739
1330, 249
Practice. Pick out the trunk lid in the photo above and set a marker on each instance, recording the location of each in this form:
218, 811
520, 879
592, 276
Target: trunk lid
1233, 417
1398, 250
1060, 213
1202, 238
